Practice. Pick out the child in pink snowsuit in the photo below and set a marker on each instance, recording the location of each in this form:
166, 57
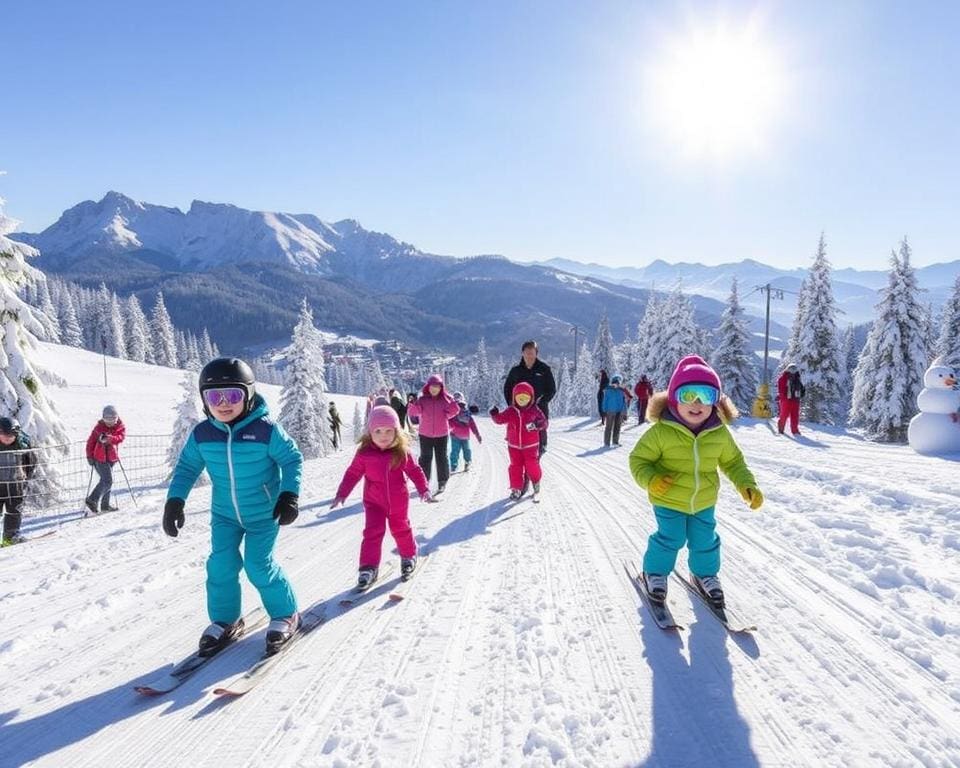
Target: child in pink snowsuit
384, 461
524, 422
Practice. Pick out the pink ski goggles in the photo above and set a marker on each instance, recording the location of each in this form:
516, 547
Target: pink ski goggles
223, 396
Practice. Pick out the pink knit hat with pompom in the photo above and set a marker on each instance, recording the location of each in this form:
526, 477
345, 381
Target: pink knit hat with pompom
691, 369
383, 417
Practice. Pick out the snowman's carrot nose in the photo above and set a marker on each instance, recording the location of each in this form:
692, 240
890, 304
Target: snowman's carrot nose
950, 381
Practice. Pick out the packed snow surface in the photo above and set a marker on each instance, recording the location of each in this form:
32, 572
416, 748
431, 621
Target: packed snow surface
520, 642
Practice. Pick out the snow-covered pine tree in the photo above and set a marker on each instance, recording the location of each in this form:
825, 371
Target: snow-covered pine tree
818, 354
889, 374
207, 352
139, 348
162, 333
604, 357
948, 343
70, 332
188, 416
850, 352
358, 422
303, 401
647, 329
561, 377
489, 390
799, 318
732, 358
48, 312
117, 328
22, 395
675, 336
582, 392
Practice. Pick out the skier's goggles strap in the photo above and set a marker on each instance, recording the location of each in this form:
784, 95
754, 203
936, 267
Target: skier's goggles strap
223, 395
688, 394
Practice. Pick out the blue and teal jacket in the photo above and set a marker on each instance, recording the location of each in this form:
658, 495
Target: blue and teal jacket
250, 464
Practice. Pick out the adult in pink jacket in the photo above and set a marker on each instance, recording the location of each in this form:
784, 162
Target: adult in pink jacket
434, 408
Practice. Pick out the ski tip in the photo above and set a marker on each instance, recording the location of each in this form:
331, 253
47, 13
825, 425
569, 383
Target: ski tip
226, 692
145, 691
395, 598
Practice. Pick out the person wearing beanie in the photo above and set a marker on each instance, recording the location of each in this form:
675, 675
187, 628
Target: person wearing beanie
524, 421
461, 426
433, 410
790, 392
17, 465
335, 424
676, 460
102, 454
384, 463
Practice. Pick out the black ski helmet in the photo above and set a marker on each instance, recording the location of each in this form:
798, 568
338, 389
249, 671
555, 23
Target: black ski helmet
9, 425
228, 372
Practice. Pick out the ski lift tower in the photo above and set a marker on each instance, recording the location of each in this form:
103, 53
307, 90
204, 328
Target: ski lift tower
762, 408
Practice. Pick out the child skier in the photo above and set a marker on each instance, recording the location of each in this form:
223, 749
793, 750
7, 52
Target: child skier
461, 426
102, 454
434, 408
524, 422
255, 470
676, 460
17, 463
384, 461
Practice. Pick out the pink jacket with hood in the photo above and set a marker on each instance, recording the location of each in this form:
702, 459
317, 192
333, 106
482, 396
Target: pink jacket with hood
385, 486
434, 412
523, 424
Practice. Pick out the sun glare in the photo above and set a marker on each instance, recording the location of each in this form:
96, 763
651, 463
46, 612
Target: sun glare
715, 93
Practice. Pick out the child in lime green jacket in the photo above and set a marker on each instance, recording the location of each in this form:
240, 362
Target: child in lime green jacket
676, 460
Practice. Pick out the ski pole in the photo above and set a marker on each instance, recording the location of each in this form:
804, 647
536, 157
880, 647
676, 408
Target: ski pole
127, 480
87, 494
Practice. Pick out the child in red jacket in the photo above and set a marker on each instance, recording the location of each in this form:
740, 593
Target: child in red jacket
102, 454
384, 461
524, 422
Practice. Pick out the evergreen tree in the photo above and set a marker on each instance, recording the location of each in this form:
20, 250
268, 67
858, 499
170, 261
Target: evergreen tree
161, 330
604, 357
358, 423
799, 318
71, 333
188, 416
139, 348
118, 343
582, 392
850, 352
948, 343
732, 359
489, 387
22, 395
817, 353
646, 330
674, 337
207, 351
48, 313
303, 401
889, 373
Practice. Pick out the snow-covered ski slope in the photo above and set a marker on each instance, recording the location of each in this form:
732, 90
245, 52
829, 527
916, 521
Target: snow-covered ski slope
520, 642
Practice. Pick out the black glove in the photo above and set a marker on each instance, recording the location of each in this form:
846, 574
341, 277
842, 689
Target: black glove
286, 509
91, 462
493, 411
173, 518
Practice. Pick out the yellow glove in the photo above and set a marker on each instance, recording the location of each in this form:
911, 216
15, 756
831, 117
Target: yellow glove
660, 484
753, 497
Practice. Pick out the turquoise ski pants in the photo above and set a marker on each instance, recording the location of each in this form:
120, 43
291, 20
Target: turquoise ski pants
457, 445
225, 563
674, 529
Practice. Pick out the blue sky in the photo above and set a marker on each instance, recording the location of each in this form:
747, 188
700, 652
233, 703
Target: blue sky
527, 128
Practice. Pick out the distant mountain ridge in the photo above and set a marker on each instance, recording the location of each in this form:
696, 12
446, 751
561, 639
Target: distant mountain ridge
241, 273
855, 290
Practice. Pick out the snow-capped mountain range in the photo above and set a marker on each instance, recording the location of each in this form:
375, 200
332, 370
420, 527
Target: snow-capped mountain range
246, 271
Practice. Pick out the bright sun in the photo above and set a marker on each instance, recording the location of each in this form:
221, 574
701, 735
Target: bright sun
716, 93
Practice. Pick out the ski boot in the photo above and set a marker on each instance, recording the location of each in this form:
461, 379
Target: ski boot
218, 635
536, 492
366, 577
281, 631
9, 541
515, 494
407, 566
108, 508
710, 588
91, 505
656, 586
466, 466
440, 488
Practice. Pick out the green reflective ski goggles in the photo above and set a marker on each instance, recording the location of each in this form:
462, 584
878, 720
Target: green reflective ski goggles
688, 394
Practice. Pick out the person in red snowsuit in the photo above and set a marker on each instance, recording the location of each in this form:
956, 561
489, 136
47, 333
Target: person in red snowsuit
790, 391
644, 391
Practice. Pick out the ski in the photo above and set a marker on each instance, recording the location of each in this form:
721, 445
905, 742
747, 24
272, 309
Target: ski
399, 592
357, 594
184, 670
659, 611
28, 539
730, 619
247, 681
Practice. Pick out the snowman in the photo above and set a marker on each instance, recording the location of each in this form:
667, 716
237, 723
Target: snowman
936, 429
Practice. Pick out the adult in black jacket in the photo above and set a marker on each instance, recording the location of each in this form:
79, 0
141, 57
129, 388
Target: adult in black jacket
536, 373
398, 405
16, 467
